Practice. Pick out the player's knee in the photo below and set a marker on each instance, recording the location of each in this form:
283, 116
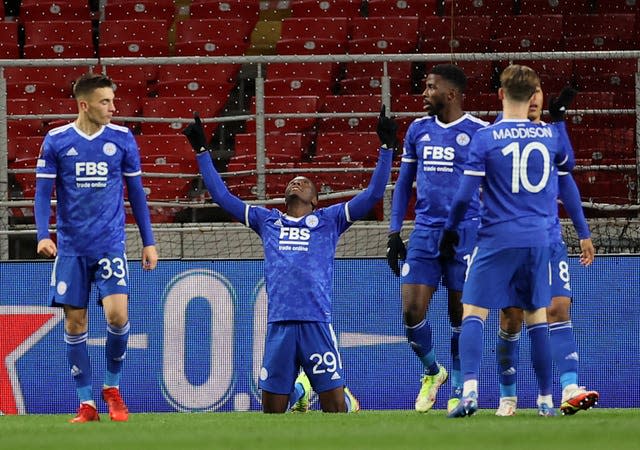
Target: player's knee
558, 310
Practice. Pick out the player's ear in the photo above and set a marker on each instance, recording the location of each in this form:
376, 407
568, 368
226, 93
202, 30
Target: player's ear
500, 94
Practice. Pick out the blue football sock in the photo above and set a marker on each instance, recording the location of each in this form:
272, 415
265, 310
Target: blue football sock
419, 337
115, 352
507, 357
455, 374
296, 394
564, 352
471, 347
541, 356
78, 357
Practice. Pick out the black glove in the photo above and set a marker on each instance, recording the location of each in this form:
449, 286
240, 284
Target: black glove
395, 251
558, 105
195, 134
448, 244
387, 129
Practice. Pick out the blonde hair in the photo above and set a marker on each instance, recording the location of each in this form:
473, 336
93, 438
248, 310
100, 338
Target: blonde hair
519, 82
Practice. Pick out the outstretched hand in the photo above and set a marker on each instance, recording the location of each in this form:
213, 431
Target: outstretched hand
195, 134
396, 251
387, 130
558, 105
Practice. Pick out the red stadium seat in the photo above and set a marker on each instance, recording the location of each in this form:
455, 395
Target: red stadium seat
319, 71
38, 127
55, 10
247, 10
616, 7
395, 8
365, 77
373, 85
350, 104
211, 37
496, 8
605, 74
590, 32
384, 35
193, 87
167, 149
32, 90
287, 105
178, 108
212, 72
617, 187
463, 34
528, 33
313, 35
163, 10
9, 48
325, 8
536, 7
59, 39
279, 147
298, 86
599, 144
61, 77
21, 148
133, 38
348, 147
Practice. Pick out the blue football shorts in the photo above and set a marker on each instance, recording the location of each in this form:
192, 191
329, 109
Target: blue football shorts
290, 345
560, 279
423, 265
501, 278
72, 277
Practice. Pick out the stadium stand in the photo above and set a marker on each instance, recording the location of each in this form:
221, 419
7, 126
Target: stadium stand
384, 35
539, 33
9, 44
177, 108
211, 37
59, 39
327, 8
133, 38
394, 8
593, 32
287, 105
33, 10
279, 148
564, 7
350, 104
313, 35
163, 10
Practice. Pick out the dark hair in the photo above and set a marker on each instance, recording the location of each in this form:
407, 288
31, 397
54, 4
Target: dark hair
519, 82
451, 73
89, 82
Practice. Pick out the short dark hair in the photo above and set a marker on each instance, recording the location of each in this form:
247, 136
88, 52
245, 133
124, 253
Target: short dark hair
89, 82
451, 73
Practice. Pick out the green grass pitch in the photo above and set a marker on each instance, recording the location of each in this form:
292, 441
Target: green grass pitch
608, 429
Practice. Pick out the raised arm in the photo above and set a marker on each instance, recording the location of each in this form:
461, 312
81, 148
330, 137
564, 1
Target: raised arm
362, 203
212, 180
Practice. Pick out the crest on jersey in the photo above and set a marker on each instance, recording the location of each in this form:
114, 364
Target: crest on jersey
463, 139
109, 149
311, 221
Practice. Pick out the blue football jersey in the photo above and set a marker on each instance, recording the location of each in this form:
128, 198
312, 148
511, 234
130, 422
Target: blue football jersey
518, 161
88, 172
298, 260
555, 230
439, 150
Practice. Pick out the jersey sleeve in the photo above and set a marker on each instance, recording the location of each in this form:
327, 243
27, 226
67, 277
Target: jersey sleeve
565, 159
47, 164
476, 162
409, 147
256, 217
131, 161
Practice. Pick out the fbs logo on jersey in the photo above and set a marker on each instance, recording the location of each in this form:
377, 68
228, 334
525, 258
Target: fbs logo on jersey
294, 239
